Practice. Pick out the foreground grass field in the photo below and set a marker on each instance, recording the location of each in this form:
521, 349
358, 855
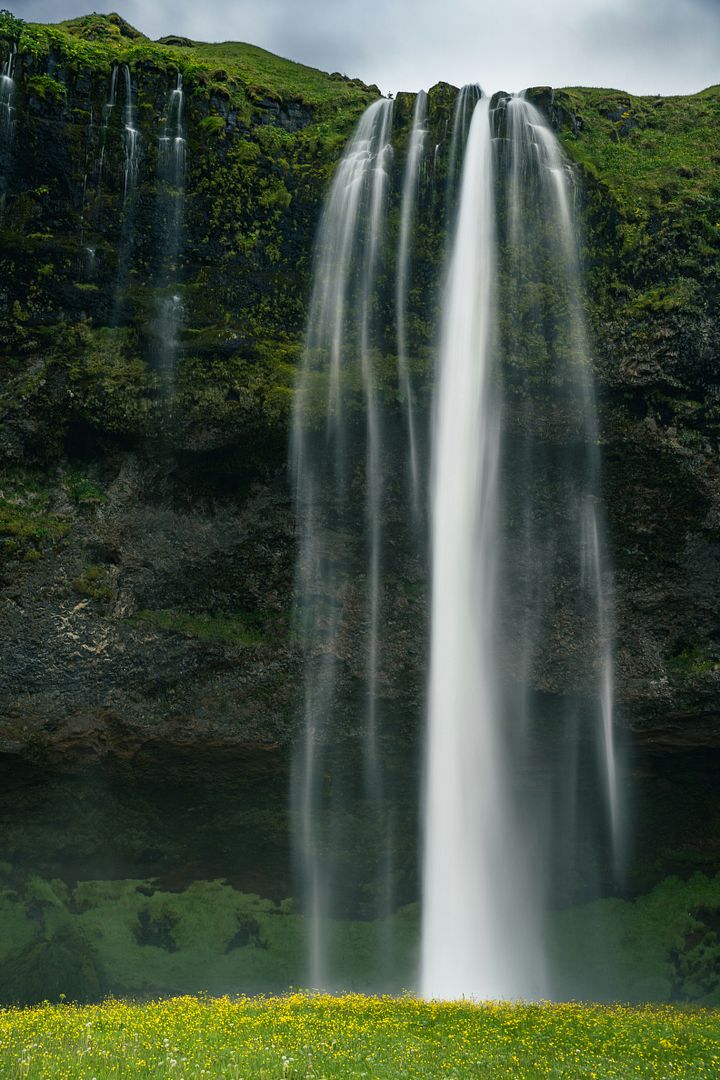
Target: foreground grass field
302, 1036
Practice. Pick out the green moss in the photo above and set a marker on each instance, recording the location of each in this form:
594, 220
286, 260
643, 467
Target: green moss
692, 661
663, 946
94, 584
46, 88
249, 220
663, 299
213, 124
82, 490
108, 378
136, 939
27, 527
227, 629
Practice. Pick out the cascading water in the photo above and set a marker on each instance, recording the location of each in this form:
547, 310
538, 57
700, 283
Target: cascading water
517, 549
130, 171
475, 902
329, 449
107, 110
7, 121
172, 145
520, 785
7, 93
542, 244
418, 134
172, 154
131, 138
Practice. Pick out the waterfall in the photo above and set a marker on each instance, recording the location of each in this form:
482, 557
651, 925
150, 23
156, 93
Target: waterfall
329, 450
509, 564
7, 122
418, 133
7, 93
172, 146
521, 805
131, 138
544, 208
130, 172
474, 896
107, 109
172, 154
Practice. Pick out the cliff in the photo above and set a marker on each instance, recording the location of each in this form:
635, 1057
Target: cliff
146, 528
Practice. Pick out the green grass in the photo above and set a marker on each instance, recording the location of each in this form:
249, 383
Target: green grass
238, 72
301, 1036
653, 153
261, 69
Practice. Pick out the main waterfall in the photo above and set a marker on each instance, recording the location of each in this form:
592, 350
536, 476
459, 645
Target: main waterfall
478, 916
498, 436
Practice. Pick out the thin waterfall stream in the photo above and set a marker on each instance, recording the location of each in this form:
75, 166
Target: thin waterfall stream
509, 562
416, 147
7, 120
328, 450
171, 166
7, 93
131, 138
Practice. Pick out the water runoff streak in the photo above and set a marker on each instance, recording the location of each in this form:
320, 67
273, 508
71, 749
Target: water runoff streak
7, 120
418, 134
131, 138
172, 156
107, 111
520, 793
7, 93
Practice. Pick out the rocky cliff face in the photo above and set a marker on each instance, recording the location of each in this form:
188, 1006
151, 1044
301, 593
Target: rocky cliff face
146, 531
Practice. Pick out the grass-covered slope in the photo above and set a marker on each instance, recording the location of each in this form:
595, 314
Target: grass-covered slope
654, 153
233, 67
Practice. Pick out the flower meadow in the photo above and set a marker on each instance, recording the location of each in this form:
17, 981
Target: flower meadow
316, 1035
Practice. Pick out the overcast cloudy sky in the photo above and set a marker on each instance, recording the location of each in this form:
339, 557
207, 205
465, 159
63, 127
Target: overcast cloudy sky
644, 46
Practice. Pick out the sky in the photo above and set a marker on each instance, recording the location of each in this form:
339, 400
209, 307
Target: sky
642, 46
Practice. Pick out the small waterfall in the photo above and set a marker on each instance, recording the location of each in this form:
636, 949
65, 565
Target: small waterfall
7, 94
172, 155
130, 172
418, 133
172, 146
7, 122
329, 451
89, 258
107, 109
131, 138
112, 96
